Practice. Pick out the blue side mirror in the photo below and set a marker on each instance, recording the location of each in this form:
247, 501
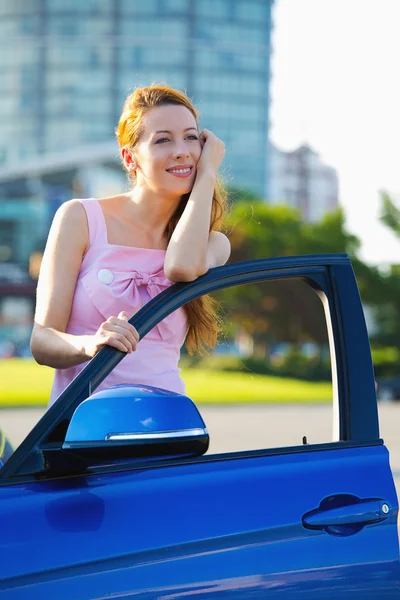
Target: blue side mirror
136, 421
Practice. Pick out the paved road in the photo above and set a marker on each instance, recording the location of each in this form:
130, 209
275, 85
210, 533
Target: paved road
244, 427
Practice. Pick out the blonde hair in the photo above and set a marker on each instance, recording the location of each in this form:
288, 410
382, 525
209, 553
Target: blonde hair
204, 323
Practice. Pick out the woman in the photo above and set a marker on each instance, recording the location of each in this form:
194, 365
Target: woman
105, 258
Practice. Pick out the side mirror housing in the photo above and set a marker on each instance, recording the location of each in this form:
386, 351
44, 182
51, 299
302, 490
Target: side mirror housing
136, 421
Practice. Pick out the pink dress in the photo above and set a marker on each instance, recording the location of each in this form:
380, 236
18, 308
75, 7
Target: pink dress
113, 278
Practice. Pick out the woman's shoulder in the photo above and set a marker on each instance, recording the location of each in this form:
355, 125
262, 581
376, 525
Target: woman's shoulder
87, 214
69, 231
70, 222
70, 214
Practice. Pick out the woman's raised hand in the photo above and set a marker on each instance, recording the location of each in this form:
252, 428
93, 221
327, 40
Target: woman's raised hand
116, 332
212, 153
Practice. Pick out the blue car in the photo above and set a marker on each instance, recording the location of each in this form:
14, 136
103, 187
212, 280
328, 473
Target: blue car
113, 494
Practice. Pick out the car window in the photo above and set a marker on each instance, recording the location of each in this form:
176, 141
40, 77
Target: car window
268, 382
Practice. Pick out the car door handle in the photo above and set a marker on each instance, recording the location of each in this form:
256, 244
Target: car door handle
348, 516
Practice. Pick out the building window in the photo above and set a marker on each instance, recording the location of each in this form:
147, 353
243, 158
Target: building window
79, 6
173, 6
218, 9
149, 7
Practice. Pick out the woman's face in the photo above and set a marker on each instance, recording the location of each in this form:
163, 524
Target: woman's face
168, 150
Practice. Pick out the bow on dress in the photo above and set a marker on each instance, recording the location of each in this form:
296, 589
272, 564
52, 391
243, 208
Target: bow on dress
121, 293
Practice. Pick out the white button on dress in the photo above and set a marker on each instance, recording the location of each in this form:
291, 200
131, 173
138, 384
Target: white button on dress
105, 276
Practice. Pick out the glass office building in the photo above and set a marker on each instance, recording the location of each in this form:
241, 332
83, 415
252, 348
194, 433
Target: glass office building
66, 67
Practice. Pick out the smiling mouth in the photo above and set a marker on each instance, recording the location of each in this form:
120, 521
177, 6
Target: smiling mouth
180, 171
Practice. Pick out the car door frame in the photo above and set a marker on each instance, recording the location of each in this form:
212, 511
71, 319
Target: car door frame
331, 275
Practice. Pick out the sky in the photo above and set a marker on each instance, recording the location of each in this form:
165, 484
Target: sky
336, 85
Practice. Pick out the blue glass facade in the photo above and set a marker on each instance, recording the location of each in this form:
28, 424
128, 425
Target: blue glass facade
67, 66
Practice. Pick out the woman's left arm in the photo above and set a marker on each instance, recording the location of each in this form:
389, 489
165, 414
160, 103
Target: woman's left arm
193, 249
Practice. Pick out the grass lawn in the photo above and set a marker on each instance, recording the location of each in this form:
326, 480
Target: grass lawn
23, 383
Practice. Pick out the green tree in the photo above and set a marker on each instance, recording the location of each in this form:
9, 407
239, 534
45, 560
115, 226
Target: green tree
259, 230
386, 296
390, 214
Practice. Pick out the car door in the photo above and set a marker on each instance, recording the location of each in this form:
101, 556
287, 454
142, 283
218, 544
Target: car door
308, 521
